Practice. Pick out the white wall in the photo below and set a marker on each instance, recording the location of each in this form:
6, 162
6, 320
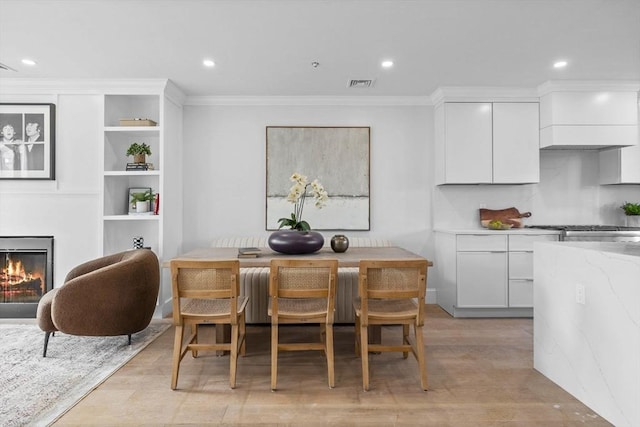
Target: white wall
68, 208
224, 173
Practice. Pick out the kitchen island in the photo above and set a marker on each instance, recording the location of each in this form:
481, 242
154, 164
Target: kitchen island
587, 324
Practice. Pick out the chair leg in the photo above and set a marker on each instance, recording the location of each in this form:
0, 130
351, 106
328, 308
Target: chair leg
274, 355
364, 354
422, 363
405, 339
243, 334
357, 327
129, 339
233, 356
329, 353
194, 332
177, 355
46, 343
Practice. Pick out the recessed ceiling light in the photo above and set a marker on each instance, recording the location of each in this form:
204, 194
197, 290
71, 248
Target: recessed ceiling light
208, 63
27, 61
387, 64
560, 64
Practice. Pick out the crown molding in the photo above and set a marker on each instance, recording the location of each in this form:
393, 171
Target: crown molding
482, 94
588, 86
310, 100
174, 93
27, 86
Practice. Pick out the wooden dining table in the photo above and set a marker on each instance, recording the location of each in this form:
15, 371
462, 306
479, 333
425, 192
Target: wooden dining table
349, 258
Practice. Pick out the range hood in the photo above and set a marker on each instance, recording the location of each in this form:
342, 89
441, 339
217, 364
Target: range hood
588, 116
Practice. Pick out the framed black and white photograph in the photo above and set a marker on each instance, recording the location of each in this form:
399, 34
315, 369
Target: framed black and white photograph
27, 144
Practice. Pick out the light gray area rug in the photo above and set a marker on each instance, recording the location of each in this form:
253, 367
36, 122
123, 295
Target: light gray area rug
35, 391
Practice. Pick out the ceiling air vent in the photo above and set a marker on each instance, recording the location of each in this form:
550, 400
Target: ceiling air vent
360, 83
5, 67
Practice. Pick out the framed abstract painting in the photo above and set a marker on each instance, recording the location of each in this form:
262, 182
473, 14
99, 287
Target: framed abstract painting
338, 157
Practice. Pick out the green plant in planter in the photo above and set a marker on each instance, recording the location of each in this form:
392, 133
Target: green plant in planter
147, 196
631, 208
138, 151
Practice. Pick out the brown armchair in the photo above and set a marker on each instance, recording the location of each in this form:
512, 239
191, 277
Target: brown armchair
108, 296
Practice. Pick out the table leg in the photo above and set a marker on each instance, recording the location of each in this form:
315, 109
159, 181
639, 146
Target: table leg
223, 334
375, 334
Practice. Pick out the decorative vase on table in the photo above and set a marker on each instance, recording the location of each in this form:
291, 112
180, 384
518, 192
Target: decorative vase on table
295, 242
299, 239
339, 243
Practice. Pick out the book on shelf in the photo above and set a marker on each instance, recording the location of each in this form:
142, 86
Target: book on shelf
137, 121
156, 204
249, 252
139, 167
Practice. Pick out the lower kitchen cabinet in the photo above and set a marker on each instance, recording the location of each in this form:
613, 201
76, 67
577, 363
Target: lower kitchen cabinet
486, 273
482, 278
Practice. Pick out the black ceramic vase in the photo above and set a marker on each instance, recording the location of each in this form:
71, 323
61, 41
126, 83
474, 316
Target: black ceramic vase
339, 243
294, 242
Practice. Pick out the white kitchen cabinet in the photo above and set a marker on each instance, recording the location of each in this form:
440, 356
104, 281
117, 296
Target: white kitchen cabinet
487, 143
487, 273
620, 165
516, 144
482, 279
467, 149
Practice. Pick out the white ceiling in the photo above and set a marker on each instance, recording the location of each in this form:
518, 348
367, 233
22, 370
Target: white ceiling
266, 47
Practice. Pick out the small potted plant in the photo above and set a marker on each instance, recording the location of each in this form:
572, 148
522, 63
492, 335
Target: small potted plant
139, 151
632, 211
142, 201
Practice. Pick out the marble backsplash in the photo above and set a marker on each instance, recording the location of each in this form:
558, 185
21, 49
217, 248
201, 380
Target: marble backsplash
568, 193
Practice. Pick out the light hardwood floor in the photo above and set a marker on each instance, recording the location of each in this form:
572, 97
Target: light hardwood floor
480, 374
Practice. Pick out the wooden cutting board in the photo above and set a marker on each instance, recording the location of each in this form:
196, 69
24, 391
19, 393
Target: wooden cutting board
507, 216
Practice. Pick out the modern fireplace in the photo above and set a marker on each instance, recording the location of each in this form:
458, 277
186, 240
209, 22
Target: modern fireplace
26, 273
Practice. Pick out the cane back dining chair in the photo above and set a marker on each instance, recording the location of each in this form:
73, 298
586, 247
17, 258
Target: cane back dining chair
391, 292
207, 292
302, 291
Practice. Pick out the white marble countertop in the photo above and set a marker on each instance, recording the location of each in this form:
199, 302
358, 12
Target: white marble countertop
488, 231
586, 322
619, 248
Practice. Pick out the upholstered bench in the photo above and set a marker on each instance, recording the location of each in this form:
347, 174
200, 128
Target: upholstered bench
254, 281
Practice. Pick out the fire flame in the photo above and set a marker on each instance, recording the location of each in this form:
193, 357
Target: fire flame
16, 270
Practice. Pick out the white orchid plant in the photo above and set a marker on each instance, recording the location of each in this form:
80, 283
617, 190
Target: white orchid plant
297, 196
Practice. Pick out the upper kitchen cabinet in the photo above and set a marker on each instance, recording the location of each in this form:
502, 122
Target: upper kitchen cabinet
487, 143
620, 165
588, 115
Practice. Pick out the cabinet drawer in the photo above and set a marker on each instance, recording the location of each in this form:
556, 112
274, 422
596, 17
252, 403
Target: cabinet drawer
520, 293
521, 265
481, 242
524, 242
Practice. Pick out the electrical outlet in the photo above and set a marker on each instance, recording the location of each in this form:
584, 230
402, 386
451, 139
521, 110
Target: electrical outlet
483, 205
580, 294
